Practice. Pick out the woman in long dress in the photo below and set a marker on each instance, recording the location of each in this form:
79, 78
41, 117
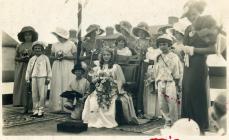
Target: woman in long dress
195, 77
23, 53
93, 113
63, 53
141, 31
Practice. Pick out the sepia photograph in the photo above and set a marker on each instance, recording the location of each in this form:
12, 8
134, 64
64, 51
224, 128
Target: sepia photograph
150, 68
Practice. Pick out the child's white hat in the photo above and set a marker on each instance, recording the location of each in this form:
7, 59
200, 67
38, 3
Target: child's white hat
38, 43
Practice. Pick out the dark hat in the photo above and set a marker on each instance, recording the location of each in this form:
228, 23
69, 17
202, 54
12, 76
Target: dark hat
20, 35
124, 25
92, 28
193, 4
71, 95
79, 66
141, 26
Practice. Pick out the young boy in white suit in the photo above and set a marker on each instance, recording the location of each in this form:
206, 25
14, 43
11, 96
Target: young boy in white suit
39, 73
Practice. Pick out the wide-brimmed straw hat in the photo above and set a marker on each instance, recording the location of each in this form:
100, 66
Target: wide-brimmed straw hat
177, 27
92, 28
141, 26
124, 25
61, 32
27, 29
193, 4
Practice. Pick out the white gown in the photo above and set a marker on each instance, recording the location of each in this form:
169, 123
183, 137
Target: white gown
98, 117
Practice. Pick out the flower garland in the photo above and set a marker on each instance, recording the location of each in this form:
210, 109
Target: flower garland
104, 87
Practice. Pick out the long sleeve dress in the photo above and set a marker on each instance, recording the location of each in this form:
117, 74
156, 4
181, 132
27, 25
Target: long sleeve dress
20, 96
61, 75
194, 85
150, 100
98, 117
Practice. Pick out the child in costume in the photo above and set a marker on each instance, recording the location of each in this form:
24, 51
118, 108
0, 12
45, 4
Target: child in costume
166, 74
38, 72
77, 91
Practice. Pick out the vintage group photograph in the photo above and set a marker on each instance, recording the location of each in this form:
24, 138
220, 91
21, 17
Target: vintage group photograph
114, 67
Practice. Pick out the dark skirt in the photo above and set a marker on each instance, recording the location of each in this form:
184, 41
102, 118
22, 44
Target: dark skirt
20, 95
195, 91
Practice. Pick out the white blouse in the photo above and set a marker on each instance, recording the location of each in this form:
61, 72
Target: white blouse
38, 67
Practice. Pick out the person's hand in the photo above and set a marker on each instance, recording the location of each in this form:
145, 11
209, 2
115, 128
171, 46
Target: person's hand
188, 50
179, 88
94, 80
47, 81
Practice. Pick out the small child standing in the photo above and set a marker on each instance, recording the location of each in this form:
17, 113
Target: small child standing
166, 74
79, 85
39, 73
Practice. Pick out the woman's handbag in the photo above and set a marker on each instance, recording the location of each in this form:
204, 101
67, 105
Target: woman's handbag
29, 85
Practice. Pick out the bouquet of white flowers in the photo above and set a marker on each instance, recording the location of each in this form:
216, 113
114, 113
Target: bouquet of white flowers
104, 85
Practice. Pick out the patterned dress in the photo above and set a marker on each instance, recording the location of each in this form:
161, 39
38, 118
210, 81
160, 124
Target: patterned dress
61, 75
20, 96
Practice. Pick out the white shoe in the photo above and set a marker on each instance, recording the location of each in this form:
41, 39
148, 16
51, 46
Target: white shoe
35, 113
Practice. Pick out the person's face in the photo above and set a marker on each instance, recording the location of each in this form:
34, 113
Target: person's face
192, 15
152, 43
38, 50
121, 44
93, 34
164, 47
141, 34
179, 37
78, 74
106, 56
28, 36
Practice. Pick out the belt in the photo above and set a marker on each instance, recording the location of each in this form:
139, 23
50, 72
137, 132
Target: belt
165, 81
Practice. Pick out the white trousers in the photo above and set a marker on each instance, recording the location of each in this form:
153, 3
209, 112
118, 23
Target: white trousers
167, 98
39, 92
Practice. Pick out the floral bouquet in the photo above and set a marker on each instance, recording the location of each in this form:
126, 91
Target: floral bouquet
103, 87
59, 55
25, 53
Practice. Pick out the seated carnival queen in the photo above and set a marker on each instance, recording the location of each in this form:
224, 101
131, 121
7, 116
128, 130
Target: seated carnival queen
100, 106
